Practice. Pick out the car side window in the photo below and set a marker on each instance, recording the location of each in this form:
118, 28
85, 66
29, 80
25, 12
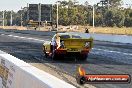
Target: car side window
76, 36
53, 40
64, 36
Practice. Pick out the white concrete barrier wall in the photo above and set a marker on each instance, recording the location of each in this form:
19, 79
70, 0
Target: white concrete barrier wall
107, 37
15, 73
113, 38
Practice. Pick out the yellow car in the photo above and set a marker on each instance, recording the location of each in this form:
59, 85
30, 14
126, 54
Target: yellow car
68, 45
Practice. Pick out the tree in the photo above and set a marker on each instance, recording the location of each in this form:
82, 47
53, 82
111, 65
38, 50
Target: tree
114, 17
128, 18
73, 13
86, 4
115, 3
109, 18
119, 19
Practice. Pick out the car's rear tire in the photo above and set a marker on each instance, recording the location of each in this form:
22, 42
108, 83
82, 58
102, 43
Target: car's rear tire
83, 57
54, 56
44, 51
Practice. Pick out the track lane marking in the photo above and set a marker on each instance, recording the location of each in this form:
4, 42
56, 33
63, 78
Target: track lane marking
130, 54
27, 38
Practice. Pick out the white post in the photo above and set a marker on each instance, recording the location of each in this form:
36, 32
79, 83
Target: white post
21, 20
27, 12
39, 7
3, 19
108, 5
93, 16
11, 19
57, 17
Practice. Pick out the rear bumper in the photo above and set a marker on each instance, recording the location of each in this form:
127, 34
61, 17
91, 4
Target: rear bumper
65, 53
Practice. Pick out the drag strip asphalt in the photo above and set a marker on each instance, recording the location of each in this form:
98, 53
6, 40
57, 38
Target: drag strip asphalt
105, 57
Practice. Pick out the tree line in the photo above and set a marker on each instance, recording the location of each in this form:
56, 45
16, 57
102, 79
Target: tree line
16, 18
107, 14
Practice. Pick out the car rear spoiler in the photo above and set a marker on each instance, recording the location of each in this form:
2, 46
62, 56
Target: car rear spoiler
86, 40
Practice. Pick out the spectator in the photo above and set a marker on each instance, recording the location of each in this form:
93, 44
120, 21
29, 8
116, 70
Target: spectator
86, 30
35, 28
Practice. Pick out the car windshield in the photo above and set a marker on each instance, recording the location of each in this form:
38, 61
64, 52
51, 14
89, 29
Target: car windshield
76, 36
64, 36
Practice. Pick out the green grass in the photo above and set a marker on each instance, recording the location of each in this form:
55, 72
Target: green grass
107, 30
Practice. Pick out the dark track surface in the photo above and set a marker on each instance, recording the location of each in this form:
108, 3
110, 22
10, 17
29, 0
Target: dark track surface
101, 59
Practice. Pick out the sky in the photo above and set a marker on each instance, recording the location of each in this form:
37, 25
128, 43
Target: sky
16, 5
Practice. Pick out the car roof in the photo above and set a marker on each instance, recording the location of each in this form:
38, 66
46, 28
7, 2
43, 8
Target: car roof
63, 33
68, 34
82, 35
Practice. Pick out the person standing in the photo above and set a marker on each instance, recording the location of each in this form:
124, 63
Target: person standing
86, 30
